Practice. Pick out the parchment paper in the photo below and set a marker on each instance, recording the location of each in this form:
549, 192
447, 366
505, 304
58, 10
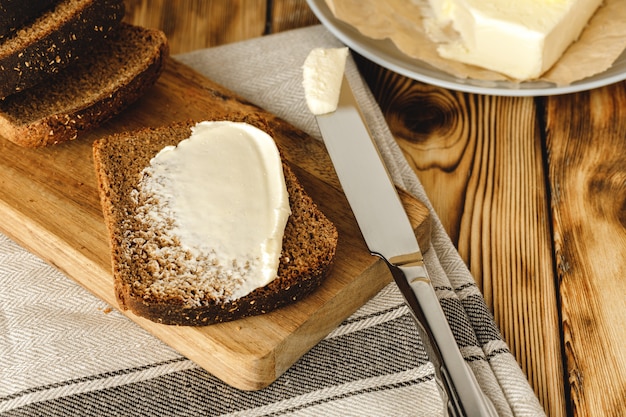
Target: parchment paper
600, 44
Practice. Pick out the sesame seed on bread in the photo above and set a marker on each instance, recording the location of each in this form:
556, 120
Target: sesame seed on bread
88, 92
309, 242
62, 35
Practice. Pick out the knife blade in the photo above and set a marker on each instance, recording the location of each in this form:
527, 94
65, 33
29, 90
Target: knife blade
387, 231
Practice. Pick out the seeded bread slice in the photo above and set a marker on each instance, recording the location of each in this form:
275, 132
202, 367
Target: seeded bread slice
309, 242
15, 13
59, 37
88, 92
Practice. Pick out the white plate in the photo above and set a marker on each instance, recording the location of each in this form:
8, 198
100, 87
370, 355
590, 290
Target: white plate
385, 53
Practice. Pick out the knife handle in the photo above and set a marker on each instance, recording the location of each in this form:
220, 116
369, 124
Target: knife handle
462, 394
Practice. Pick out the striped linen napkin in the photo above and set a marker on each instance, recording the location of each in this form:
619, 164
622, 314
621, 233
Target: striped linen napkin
64, 352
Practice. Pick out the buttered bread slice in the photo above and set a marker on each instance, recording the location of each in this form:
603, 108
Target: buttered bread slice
207, 224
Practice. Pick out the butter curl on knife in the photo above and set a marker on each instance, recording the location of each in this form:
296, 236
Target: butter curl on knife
322, 75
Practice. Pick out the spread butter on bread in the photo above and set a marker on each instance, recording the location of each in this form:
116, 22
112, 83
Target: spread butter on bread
158, 275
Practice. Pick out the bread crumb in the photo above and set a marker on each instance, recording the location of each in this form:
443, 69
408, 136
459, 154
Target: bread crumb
106, 310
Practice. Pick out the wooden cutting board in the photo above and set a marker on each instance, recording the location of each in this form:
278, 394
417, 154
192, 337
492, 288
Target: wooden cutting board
49, 203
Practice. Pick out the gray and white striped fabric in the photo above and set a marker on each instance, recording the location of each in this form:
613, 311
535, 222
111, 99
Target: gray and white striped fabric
64, 352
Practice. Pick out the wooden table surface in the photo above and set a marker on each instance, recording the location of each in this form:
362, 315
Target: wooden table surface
531, 190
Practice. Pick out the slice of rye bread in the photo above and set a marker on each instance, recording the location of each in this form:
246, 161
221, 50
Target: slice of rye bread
16, 13
309, 242
89, 92
59, 37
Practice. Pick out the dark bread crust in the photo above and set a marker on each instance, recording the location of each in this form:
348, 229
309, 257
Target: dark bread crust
15, 13
87, 93
58, 38
309, 242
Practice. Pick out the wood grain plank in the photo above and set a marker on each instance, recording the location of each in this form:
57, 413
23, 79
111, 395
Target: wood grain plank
586, 145
480, 161
290, 14
197, 24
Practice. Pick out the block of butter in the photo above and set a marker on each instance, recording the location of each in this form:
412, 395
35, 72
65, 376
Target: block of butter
518, 38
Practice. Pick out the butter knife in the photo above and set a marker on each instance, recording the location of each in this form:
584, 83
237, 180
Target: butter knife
388, 234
